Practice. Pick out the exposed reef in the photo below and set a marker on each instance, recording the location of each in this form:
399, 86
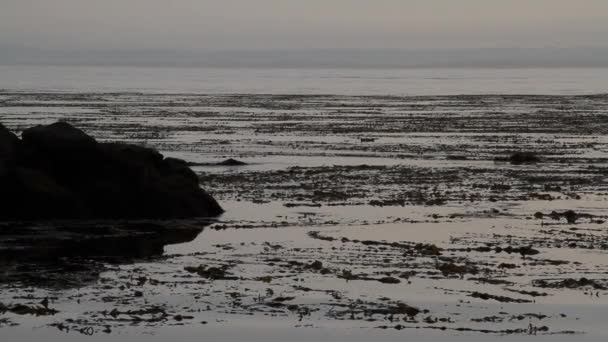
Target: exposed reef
59, 172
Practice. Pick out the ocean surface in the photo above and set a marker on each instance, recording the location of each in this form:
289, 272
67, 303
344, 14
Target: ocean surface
350, 211
343, 81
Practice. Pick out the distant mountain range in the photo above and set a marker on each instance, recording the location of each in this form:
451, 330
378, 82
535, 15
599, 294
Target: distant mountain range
317, 58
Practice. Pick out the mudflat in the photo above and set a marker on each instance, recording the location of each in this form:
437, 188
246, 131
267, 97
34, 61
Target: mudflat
350, 217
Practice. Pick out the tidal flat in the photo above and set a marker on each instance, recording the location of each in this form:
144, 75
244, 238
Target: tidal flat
348, 218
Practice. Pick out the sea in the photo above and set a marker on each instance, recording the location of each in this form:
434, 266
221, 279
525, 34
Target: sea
308, 81
404, 198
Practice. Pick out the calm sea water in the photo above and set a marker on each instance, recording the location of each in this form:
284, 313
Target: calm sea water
439, 81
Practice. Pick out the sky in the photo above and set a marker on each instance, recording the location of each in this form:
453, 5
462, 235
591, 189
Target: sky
301, 24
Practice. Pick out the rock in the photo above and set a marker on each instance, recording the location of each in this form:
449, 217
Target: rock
59, 150
8, 144
57, 138
316, 265
403, 308
60, 172
36, 195
231, 162
519, 158
571, 216
178, 167
389, 280
527, 250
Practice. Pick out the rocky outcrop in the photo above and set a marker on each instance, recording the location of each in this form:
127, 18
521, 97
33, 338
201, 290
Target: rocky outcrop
519, 158
8, 143
231, 162
59, 172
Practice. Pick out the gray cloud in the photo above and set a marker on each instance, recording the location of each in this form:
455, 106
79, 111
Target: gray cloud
288, 24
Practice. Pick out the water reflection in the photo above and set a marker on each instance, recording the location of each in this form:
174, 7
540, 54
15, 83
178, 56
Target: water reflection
73, 254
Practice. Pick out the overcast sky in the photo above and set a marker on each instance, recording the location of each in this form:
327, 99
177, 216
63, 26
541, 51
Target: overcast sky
245, 24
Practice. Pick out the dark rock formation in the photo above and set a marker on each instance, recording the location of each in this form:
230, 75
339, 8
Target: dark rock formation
59, 172
231, 162
8, 143
519, 158
571, 216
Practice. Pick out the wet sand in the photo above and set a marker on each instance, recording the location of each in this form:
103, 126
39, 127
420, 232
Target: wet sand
354, 218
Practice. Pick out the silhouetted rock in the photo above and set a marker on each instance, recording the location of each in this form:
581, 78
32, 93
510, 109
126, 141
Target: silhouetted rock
571, 216
61, 172
519, 158
231, 162
8, 143
58, 138
36, 195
